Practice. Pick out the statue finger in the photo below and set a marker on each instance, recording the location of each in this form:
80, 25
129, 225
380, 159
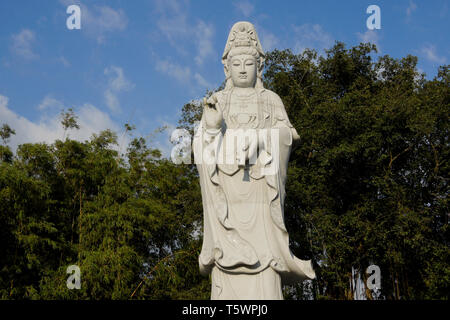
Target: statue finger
213, 98
207, 105
211, 102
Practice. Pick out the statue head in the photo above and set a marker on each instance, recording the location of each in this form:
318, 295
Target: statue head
243, 57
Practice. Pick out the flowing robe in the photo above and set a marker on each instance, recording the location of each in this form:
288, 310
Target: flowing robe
245, 241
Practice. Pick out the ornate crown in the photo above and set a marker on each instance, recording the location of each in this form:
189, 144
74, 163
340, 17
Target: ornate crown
242, 34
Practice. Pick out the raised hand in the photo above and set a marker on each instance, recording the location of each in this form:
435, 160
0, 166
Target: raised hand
212, 113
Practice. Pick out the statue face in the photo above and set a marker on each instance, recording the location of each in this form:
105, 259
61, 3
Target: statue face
243, 70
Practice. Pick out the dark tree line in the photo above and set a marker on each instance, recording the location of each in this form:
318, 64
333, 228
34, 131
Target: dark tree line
368, 185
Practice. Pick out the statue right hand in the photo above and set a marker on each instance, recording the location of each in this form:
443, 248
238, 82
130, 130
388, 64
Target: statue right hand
213, 113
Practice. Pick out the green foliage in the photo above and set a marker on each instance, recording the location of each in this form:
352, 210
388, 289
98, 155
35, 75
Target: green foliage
80, 203
69, 120
369, 182
6, 132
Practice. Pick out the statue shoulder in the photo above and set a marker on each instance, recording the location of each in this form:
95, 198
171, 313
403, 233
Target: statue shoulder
221, 92
221, 95
275, 98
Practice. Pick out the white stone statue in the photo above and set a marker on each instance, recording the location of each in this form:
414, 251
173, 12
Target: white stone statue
241, 149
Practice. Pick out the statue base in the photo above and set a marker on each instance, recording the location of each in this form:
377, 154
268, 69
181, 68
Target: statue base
265, 285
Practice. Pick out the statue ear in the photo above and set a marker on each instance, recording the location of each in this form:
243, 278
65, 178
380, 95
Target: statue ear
226, 70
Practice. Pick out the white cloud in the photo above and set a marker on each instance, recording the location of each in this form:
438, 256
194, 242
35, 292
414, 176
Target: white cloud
117, 83
98, 21
64, 61
244, 7
268, 40
202, 81
182, 74
204, 33
176, 71
311, 36
172, 20
429, 52
371, 36
3, 102
22, 43
175, 24
112, 101
50, 102
411, 8
107, 19
48, 128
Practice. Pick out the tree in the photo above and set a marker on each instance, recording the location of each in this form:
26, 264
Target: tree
367, 185
5, 152
6, 132
69, 120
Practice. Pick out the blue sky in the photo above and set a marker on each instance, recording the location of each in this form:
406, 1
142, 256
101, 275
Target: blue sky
139, 61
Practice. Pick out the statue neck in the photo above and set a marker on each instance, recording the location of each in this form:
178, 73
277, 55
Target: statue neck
243, 91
